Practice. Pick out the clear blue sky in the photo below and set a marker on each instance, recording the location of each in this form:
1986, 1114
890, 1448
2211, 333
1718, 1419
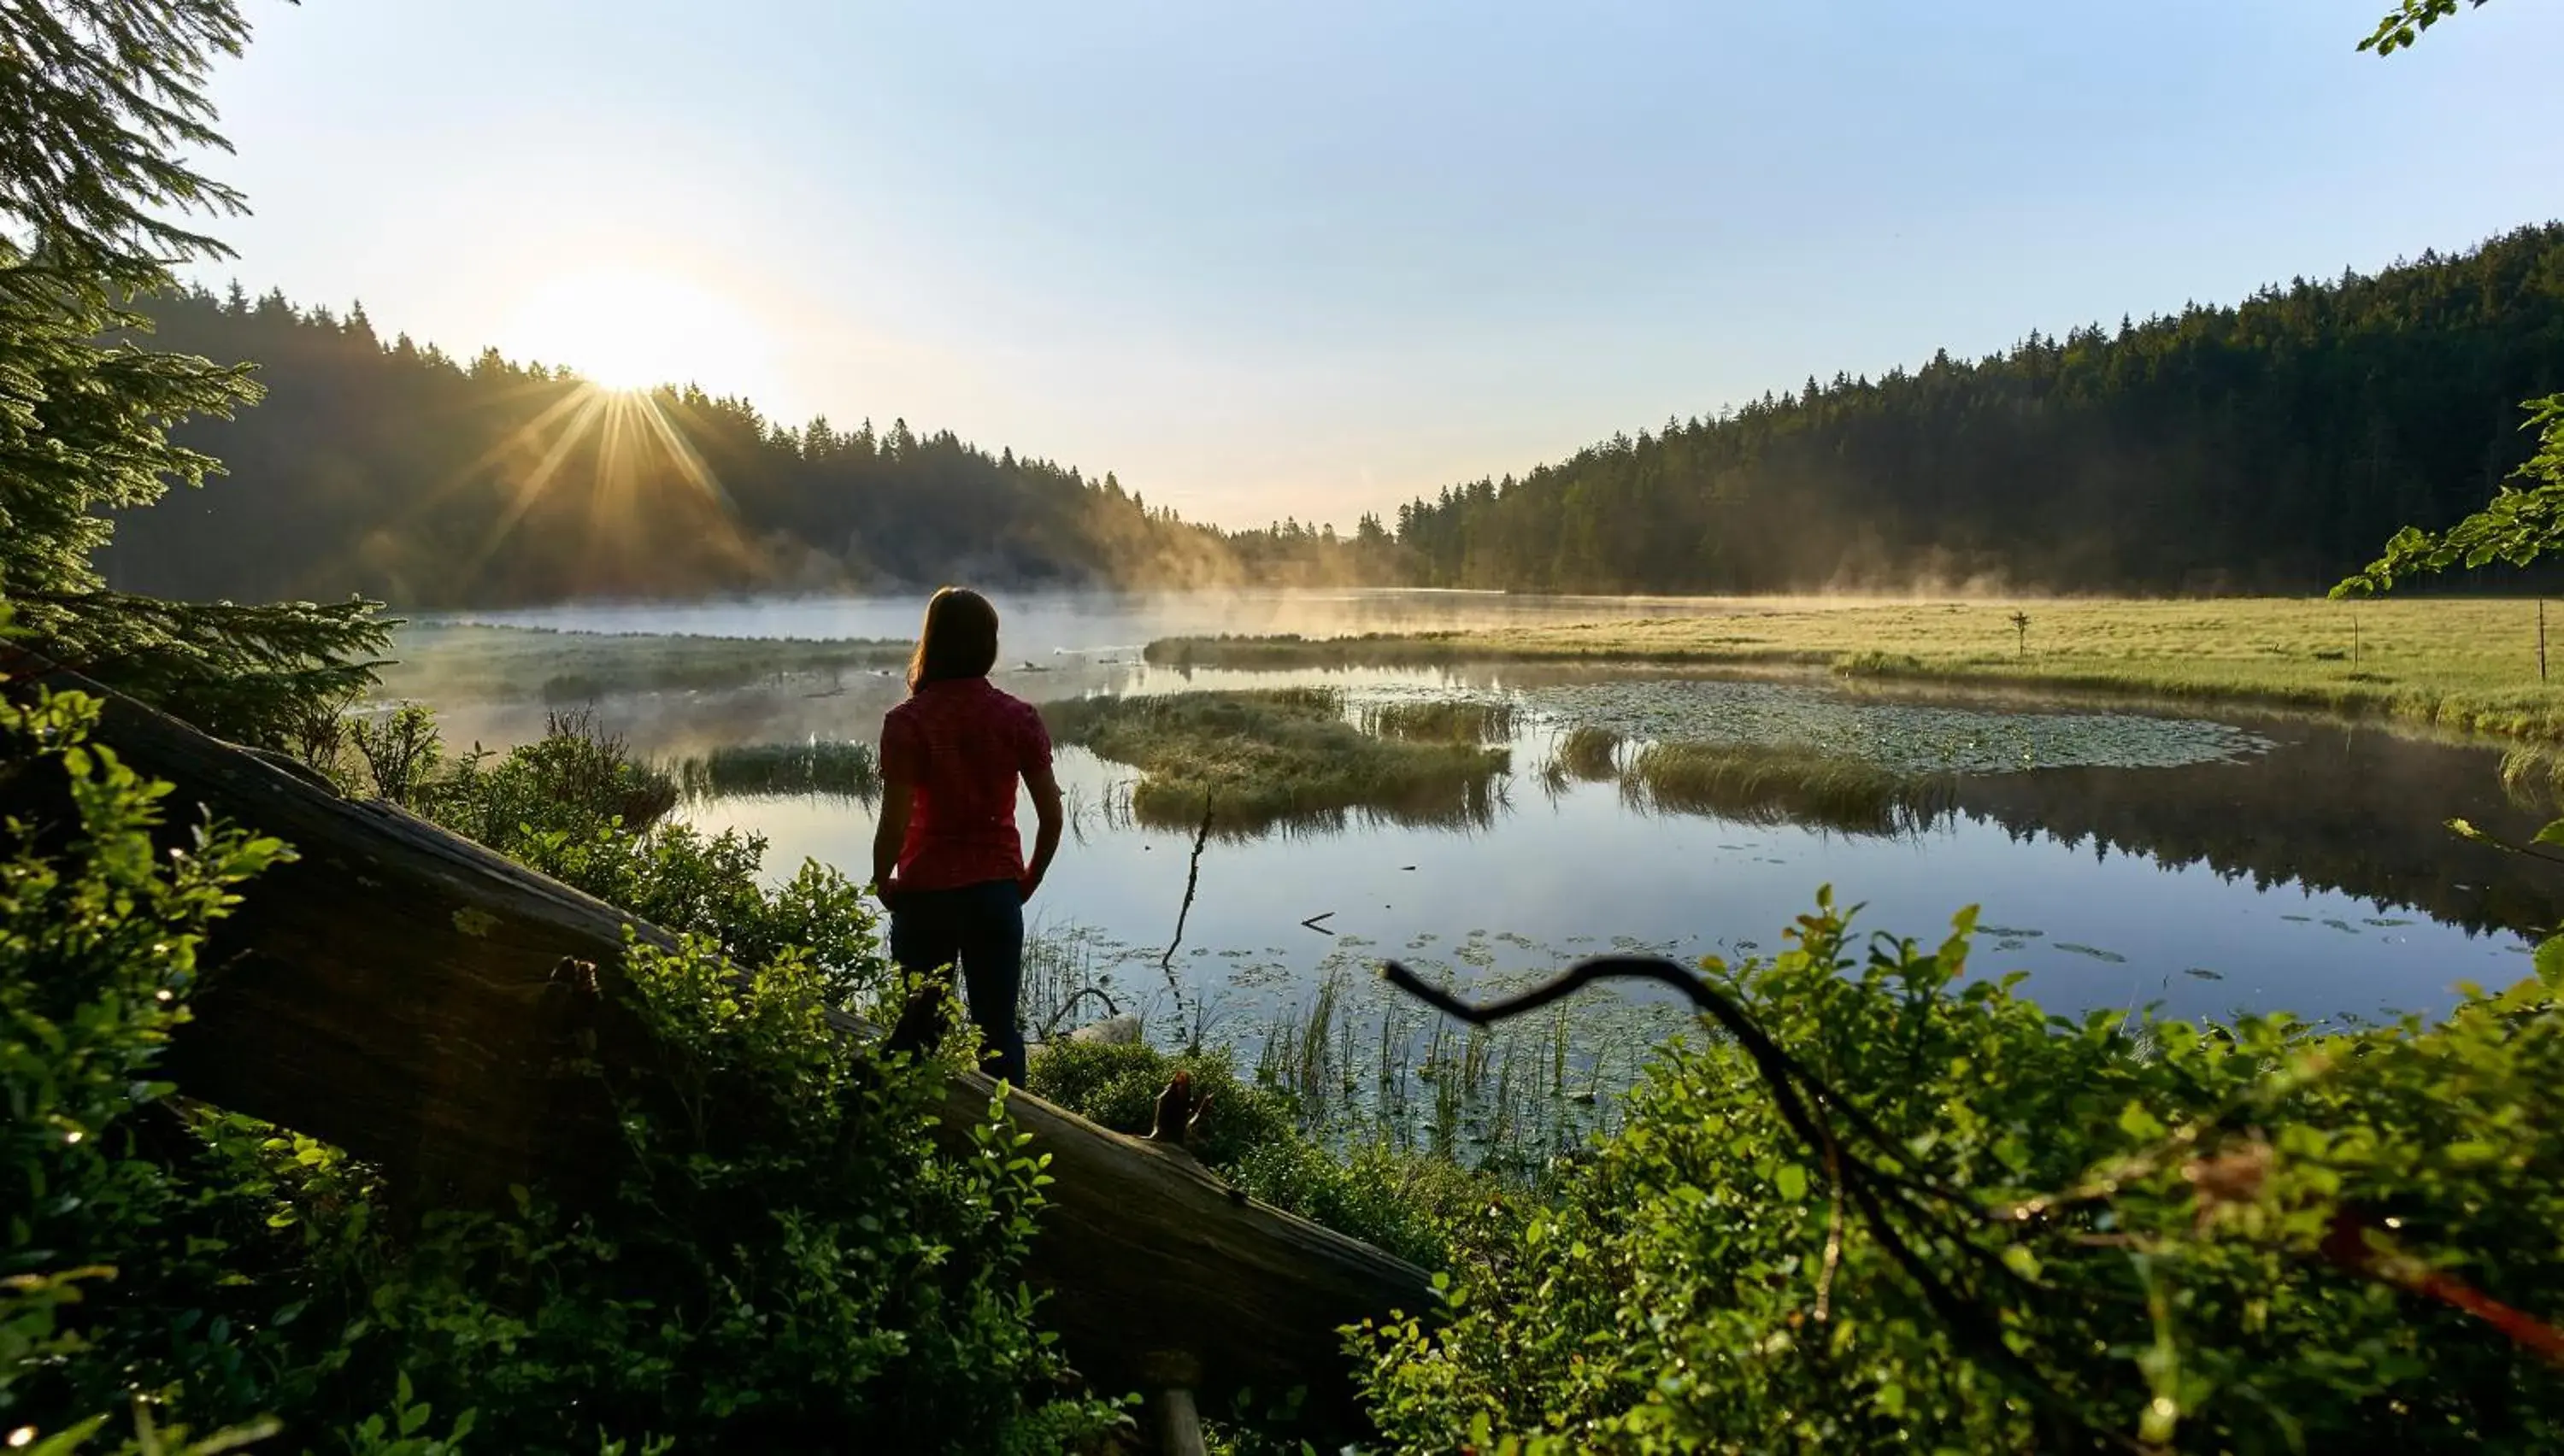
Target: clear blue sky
1319, 257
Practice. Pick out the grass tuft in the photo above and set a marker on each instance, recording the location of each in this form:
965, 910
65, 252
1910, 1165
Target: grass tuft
1440, 722
1589, 753
1776, 784
838, 769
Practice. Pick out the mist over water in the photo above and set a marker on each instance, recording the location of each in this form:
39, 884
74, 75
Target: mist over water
1043, 625
2307, 871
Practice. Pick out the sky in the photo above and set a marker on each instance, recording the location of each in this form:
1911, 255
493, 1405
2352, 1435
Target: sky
1311, 258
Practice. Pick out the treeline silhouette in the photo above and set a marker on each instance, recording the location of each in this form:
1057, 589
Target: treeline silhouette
2268, 447
390, 470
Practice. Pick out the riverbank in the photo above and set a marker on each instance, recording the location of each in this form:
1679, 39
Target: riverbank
2468, 665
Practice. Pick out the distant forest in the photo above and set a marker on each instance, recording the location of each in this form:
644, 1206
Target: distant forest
378, 467
2271, 446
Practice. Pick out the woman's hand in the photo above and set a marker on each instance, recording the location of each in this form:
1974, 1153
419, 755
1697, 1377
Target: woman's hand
1025, 887
888, 893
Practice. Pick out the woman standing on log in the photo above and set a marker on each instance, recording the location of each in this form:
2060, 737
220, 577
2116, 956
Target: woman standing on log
946, 860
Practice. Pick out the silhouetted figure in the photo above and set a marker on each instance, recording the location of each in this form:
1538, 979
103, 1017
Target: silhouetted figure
946, 860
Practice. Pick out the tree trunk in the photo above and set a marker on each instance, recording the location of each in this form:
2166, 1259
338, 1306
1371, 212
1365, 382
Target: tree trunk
416, 998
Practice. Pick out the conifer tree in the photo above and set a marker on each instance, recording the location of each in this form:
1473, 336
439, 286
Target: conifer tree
100, 100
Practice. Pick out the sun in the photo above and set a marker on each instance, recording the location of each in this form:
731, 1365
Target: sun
628, 329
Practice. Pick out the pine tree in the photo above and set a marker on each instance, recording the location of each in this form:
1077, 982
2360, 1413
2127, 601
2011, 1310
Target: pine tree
99, 100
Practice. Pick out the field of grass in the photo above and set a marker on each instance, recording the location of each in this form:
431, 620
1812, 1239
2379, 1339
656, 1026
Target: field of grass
1782, 784
1260, 758
844, 771
2468, 665
455, 663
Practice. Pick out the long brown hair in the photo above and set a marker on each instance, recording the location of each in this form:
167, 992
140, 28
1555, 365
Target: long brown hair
959, 640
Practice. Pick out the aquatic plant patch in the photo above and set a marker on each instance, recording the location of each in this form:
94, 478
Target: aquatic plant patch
1904, 738
1255, 760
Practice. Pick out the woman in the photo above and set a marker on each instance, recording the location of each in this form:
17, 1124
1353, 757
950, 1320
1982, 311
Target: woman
946, 860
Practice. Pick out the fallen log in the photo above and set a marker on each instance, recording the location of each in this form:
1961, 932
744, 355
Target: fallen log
417, 1000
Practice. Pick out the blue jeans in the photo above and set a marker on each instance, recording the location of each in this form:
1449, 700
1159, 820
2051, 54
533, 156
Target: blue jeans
982, 928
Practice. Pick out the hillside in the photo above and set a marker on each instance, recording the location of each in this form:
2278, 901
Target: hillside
2270, 446
377, 467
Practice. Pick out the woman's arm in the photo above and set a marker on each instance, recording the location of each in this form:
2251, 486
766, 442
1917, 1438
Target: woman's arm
1047, 819
899, 795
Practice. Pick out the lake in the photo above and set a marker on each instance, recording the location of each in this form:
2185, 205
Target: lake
2203, 862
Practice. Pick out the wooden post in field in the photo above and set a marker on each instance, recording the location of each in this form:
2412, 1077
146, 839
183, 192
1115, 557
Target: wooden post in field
2541, 639
2354, 637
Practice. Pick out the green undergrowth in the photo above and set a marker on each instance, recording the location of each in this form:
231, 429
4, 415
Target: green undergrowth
1256, 760
1761, 783
1949, 1221
839, 770
787, 1261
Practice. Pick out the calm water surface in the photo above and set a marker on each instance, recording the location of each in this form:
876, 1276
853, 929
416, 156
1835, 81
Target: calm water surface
2312, 873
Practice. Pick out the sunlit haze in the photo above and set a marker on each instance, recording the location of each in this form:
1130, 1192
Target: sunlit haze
628, 329
1320, 258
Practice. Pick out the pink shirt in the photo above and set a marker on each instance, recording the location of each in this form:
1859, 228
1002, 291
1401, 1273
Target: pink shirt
964, 745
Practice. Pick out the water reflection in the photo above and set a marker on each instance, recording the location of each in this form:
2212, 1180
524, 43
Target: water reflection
2355, 809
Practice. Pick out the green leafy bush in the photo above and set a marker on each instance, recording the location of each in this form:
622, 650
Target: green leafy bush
2065, 1234
788, 1262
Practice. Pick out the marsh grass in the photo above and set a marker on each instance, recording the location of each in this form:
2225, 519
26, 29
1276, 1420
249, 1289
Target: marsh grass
1508, 1100
2466, 663
458, 663
1450, 721
1280, 757
2534, 777
818, 767
1588, 753
1774, 785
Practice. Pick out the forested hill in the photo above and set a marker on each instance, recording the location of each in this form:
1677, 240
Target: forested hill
2272, 446
377, 467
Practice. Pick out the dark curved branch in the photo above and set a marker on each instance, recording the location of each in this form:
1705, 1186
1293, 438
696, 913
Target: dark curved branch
1805, 1101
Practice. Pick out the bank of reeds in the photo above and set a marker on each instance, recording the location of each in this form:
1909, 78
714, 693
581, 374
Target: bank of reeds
838, 769
1450, 722
1775, 784
1276, 757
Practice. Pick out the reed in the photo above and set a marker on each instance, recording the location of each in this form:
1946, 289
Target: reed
835, 770
1450, 721
1786, 785
1592, 754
